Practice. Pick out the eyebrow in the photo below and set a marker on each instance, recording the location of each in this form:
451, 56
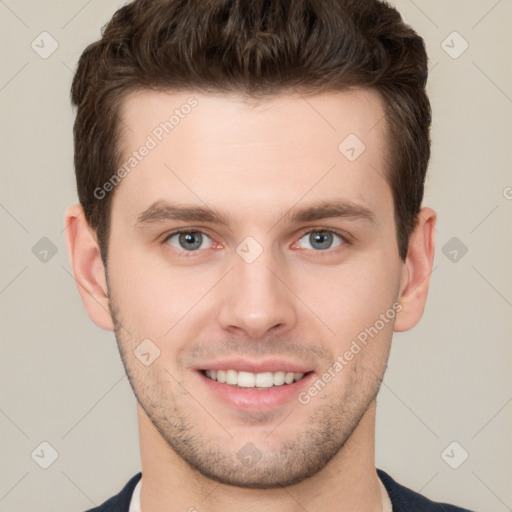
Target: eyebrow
330, 210
161, 211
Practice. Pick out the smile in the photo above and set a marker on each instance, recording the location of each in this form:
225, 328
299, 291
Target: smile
264, 380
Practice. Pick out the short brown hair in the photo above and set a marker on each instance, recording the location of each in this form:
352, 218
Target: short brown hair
257, 48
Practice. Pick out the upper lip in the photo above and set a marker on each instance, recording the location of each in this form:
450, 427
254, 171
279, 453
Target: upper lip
244, 365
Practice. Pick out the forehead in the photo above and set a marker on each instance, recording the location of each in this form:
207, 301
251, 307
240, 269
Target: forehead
226, 150
300, 116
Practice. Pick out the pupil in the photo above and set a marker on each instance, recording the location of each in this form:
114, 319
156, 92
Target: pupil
320, 239
190, 240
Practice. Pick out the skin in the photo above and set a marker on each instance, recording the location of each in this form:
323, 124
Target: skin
253, 163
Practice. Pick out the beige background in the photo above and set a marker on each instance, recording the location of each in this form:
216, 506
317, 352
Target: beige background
449, 379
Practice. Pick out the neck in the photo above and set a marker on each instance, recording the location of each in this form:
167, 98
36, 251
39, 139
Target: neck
349, 481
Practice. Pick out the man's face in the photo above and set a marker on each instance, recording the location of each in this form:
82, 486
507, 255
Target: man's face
266, 289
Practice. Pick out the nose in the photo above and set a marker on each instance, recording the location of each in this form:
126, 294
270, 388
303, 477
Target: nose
257, 299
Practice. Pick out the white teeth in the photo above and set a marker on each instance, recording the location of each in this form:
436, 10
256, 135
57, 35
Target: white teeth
244, 379
231, 377
288, 378
264, 380
279, 378
251, 380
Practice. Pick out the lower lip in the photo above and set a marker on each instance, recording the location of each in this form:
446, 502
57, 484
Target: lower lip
257, 399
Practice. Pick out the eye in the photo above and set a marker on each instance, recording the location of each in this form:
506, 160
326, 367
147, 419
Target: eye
322, 239
189, 240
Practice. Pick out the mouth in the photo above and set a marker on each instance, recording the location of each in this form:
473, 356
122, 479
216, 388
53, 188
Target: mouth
254, 392
259, 381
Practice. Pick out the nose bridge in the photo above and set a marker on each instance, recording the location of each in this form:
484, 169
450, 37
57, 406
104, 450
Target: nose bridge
256, 300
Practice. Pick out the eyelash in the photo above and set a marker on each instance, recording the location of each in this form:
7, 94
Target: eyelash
188, 254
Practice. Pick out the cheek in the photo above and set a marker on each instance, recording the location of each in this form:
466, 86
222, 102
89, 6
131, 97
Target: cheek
158, 299
353, 295
151, 296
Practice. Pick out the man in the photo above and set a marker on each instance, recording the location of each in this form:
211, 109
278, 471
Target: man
250, 178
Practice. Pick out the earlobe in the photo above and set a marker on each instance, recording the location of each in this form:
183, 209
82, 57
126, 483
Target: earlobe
88, 267
416, 271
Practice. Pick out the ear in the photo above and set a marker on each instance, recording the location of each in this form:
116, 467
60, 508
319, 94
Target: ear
88, 267
416, 271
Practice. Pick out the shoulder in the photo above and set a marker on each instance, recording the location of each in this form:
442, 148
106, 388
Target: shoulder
120, 502
405, 500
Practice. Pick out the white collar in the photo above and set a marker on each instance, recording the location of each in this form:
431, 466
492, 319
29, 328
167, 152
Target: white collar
387, 506
135, 501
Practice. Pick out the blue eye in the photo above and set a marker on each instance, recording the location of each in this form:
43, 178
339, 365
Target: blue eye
189, 240
321, 240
